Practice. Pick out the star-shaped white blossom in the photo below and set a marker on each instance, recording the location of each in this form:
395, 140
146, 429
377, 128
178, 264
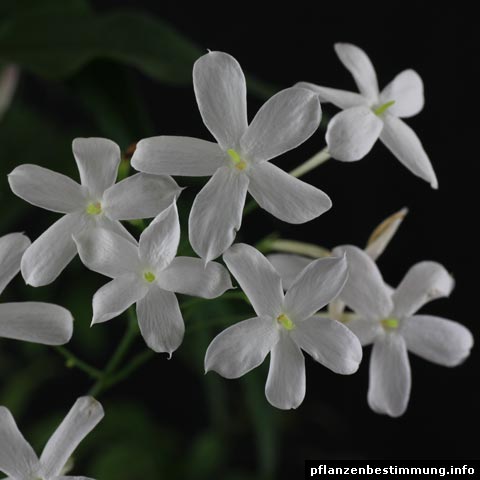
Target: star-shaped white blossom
19, 461
389, 321
97, 202
29, 321
148, 274
239, 161
373, 114
285, 326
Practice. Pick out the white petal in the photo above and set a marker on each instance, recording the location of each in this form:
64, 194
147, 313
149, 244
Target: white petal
159, 241
329, 343
221, 95
284, 122
97, 160
402, 141
241, 347
114, 226
406, 90
116, 296
284, 196
216, 213
257, 278
359, 65
52, 251
185, 156
288, 266
36, 322
424, 282
160, 320
390, 379
107, 253
352, 133
191, 276
8, 84
79, 422
46, 189
17, 458
317, 285
365, 291
366, 330
12, 247
438, 340
285, 387
140, 196
340, 98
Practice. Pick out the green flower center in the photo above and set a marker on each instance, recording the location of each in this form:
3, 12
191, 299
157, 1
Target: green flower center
285, 322
238, 162
94, 208
390, 323
149, 277
383, 108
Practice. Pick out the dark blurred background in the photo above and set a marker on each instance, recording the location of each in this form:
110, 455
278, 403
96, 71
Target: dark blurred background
126, 77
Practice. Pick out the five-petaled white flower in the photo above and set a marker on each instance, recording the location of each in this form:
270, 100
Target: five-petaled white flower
19, 461
96, 202
29, 321
239, 161
388, 321
148, 274
373, 114
285, 326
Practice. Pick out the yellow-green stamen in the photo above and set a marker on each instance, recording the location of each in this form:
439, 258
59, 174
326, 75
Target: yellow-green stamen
94, 208
149, 277
390, 323
383, 108
237, 160
285, 322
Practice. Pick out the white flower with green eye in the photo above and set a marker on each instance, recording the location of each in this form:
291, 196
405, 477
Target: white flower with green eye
19, 461
284, 326
239, 161
372, 114
28, 321
149, 274
97, 202
389, 321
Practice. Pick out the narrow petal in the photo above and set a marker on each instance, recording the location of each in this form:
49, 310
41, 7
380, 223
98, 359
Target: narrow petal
12, 247
286, 384
340, 98
83, 417
390, 379
366, 330
182, 156
46, 189
52, 251
438, 340
116, 296
403, 142
221, 95
159, 242
288, 266
424, 282
97, 160
241, 347
284, 122
160, 320
107, 253
356, 61
406, 90
329, 343
257, 278
284, 196
8, 84
216, 213
352, 133
36, 322
316, 286
191, 276
17, 458
365, 291
114, 226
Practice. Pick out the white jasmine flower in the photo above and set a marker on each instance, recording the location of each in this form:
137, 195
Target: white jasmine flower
284, 326
239, 161
97, 202
19, 461
373, 114
148, 274
389, 321
29, 321
8, 84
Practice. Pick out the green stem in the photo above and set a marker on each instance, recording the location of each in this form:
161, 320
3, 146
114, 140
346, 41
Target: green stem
72, 361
